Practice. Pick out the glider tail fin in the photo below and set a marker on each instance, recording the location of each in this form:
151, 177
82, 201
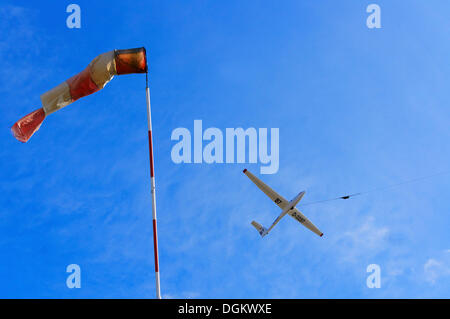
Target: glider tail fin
261, 230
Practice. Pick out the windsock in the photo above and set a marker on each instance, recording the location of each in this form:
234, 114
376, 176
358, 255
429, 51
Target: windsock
93, 78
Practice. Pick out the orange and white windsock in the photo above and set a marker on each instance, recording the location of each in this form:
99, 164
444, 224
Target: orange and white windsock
93, 78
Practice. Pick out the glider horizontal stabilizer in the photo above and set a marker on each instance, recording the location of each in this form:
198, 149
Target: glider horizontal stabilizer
261, 230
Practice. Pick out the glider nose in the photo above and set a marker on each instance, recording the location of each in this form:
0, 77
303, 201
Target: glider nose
301, 194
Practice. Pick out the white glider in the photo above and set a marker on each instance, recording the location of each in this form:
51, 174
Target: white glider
286, 207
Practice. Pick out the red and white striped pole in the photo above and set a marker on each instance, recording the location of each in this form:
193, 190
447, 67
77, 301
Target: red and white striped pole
152, 181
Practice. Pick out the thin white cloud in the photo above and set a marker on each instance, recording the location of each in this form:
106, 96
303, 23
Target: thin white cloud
368, 239
437, 268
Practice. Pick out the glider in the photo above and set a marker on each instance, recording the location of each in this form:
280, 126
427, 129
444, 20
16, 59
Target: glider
93, 78
286, 207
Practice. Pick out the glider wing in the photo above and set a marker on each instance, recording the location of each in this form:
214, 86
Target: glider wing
274, 196
297, 215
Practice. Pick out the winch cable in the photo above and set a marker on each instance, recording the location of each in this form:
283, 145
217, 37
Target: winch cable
378, 189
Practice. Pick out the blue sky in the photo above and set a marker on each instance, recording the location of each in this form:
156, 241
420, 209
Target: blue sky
357, 109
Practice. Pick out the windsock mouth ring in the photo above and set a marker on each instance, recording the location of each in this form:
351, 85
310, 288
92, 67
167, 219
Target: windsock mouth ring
131, 61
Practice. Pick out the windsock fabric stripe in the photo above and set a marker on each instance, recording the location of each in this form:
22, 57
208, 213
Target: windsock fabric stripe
93, 78
24, 128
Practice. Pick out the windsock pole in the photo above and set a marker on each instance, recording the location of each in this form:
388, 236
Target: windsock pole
152, 181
